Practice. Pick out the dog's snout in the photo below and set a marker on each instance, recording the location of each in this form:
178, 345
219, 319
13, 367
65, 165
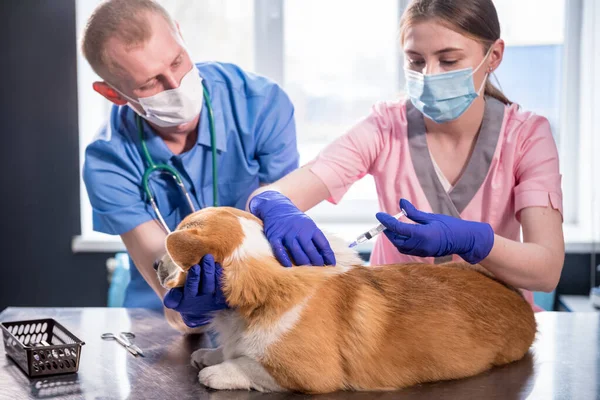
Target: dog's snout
156, 265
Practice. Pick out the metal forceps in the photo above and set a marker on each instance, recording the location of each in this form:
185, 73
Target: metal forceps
124, 338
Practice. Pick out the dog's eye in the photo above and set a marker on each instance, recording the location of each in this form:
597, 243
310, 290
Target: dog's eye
156, 265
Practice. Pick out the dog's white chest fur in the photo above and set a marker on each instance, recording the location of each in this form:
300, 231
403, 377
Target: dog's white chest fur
236, 364
239, 340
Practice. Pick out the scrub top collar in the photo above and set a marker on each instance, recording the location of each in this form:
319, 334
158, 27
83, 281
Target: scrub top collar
454, 202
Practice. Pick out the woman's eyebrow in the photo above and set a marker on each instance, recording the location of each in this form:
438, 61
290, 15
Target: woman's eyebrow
437, 52
447, 50
412, 52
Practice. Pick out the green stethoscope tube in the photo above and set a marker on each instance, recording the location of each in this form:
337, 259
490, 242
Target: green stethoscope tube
164, 168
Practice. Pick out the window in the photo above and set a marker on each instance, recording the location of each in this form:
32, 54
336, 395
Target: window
334, 72
337, 58
548, 67
530, 72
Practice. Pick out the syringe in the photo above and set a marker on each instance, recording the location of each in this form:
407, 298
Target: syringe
370, 234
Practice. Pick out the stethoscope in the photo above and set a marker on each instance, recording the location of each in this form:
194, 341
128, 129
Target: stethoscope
167, 169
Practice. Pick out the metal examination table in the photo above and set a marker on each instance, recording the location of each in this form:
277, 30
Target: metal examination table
564, 363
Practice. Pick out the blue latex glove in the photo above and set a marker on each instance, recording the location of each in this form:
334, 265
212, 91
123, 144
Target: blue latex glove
201, 294
286, 227
438, 235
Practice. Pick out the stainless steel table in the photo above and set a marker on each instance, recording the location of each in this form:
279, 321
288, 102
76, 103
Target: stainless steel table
563, 364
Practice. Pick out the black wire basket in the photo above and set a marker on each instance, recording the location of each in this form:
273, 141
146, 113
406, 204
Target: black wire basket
42, 347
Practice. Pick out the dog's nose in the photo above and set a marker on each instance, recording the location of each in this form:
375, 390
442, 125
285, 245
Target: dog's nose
156, 265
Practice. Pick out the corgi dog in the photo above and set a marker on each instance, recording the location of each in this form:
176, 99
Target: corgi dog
344, 327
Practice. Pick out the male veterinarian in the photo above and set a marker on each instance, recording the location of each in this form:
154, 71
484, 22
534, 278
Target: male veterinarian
214, 129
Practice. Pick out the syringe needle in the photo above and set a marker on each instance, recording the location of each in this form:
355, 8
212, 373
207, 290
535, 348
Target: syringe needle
371, 233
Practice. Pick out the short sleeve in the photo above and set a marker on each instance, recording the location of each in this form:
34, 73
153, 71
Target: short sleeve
114, 189
276, 145
350, 157
537, 174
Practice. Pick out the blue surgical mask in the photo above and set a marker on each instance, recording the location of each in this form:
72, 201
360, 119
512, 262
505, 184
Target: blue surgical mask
443, 97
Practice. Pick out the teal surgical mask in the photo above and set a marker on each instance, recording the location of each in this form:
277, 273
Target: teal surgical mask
443, 97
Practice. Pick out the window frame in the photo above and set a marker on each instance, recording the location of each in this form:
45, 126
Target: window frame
577, 142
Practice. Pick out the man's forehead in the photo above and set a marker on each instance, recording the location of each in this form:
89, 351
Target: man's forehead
139, 61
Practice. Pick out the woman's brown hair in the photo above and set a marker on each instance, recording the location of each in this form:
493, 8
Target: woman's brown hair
476, 19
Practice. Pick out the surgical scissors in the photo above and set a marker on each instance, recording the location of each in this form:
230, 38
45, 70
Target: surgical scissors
124, 338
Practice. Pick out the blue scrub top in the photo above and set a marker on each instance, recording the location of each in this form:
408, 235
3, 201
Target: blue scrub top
256, 144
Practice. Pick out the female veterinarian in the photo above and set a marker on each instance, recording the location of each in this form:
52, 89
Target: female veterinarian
475, 168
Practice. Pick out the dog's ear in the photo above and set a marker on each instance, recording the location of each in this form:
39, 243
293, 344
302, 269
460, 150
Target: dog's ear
185, 247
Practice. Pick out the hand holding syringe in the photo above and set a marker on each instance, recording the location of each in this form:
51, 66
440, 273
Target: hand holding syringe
375, 231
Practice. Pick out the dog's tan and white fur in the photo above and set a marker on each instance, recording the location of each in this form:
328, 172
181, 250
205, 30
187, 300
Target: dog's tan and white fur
347, 327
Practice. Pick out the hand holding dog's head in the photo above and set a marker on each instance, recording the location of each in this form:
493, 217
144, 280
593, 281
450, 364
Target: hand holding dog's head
215, 231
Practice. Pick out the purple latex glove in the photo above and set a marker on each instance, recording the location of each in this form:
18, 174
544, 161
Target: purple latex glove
286, 227
438, 235
200, 296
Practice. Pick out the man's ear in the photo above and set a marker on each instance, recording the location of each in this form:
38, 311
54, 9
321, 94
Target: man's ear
109, 93
184, 247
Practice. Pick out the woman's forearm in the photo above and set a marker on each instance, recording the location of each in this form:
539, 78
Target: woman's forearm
528, 266
301, 186
535, 264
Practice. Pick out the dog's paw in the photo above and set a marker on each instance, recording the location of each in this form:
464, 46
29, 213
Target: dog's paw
206, 357
197, 359
222, 377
